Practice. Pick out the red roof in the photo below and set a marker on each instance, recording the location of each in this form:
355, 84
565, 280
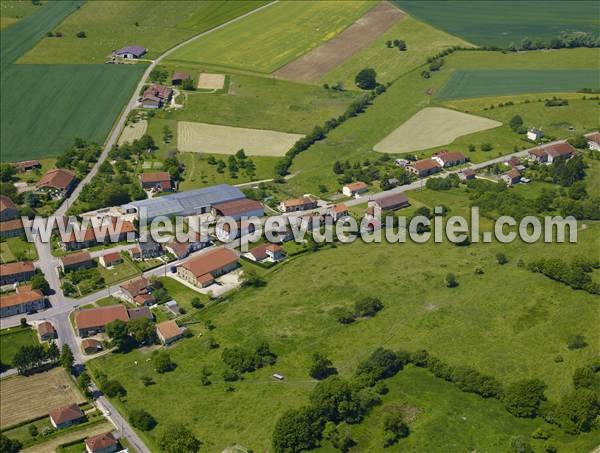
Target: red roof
537, 152
210, 261
90, 343
76, 258
513, 174
16, 268
425, 165
298, 202
100, 442
594, 137
238, 207
155, 177
90, 234
27, 164
6, 203
45, 328
168, 329
21, 297
559, 149
65, 414
11, 225
356, 186
179, 75
136, 286
338, 208
99, 317
451, 156
57, 178
111, 257
157, 92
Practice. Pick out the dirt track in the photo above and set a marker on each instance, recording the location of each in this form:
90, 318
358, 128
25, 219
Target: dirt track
318, 62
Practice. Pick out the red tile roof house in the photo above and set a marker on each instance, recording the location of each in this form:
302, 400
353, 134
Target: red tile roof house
57, 182
593, 140
91, 346
11, 228
424, 167
178, 77
102, 443
89, 237
337, 211
270, 252
466, 174
237, 209
298, 204
511, 177
202, 270
354, 189
183, 249
168, 332
449, 158
21, 302
110, 259
65, 416
8, 210
93, 320
16, 272
46, 331
537, 155
158, 181
558, 151
79, 260
138, 291
27, 165
156, 96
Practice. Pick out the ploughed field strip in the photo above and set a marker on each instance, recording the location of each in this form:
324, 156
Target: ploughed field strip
211, 138
416, 133
318, 62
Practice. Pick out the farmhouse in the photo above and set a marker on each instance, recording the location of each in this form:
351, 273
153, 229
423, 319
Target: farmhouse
449, 158
79, 260
102, 443
21, 302
270, 252
137, 291
27, 165
467, 174
46, 331
8, 210
93, 320
168, 332
16, 272
337, 211
178, 77
537, 155
558, 151
159, 181
534, 134
298, 204
91, 346
156, 96
65, 416
238, 209
511, 177
593, 141
183, 249
390, 202
424, 167
203, 270
354, 189
110, 259
11, 228
131, 52
58, 182
107, 231
192, 202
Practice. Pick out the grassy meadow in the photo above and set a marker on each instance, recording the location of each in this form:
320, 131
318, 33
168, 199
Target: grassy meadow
17, 249
110, 25
11, 340
491, 23
275, 36
11, 11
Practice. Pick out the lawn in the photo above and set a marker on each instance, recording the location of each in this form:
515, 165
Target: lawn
182, 294
479, 83
12, 339
110, 25
275, 36
492, 23
119, 273
17, 249
482, 323
12, 11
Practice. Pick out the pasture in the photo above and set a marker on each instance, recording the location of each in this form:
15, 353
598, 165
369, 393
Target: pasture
491, 23
476, 323
479, 83
12, 339
210, 138
24, 398
110, 25
274, 36
45, 107
416, 133
133, 131
12, 11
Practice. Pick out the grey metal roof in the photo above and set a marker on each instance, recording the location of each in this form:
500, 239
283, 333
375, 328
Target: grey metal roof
186, 203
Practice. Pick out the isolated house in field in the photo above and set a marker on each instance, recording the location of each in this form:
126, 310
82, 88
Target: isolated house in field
389, 202
65, 416
558, 151
270, 252
337, 211
138, 291
202, 270
8, 210
130, 52
93, 320
449, 158
27, 165
511, 177
178, 77
16, 272
237, 209
156, 96
534, 134
102, 443
21, 302
466, 174
46, 331
593, 141
79, 260
91, 346
298, 204
424, 167
158, 181
11, 228
354, 189
58, 182
168, 332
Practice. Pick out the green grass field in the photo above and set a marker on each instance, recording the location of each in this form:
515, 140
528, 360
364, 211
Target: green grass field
275, 36
11, 11
479, 83
110, 25
12, 339
494, 23
119, 273
45, 107
17, 249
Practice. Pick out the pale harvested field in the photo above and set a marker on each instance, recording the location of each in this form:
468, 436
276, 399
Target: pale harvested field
210, 138
432, 126
211, 81
319, 61
133, 131
24, 398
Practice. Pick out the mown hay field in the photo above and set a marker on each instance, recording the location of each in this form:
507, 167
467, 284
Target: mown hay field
210, 138
432, 126
24, 398
133, 131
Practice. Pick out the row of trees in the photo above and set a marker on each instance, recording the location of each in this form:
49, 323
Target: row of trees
127, 335
566, 40
577, 273
30, 358
242, 360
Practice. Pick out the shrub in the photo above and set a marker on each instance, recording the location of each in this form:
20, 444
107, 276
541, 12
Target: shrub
367, 307
576, 342
342, 315
501, 258
321, 367
366, 79
451, 281
81, 34
523, 398
472, 381
394, 429
162, 362
297, 430
113, 388
141, 419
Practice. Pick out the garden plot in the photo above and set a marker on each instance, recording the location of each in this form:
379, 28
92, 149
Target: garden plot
211, 81
210, 138
132, 132
432, 126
